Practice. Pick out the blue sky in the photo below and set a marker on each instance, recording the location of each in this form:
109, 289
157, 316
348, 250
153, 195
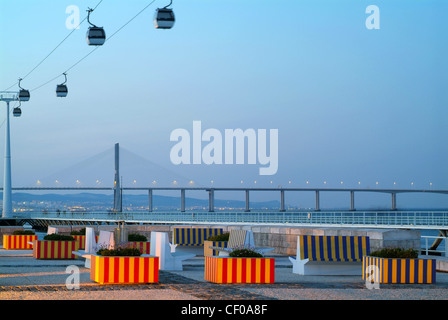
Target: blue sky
351, 104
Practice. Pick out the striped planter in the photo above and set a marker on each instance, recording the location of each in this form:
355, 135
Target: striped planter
54, 250
82, 241
144, 247
124, 270
211, 252
399, 270
239, 270
194, 236
333, 248
18, 242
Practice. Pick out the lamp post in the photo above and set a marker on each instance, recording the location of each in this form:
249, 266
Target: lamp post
7, 96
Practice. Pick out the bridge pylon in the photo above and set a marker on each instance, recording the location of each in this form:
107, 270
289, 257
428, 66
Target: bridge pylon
117, 184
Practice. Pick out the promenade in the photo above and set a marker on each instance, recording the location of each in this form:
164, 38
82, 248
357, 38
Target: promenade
24, 278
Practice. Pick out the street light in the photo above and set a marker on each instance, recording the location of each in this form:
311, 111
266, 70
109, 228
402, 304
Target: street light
9, 96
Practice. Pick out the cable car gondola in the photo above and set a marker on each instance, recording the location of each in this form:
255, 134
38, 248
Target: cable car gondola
61, 89
24, 95
17, 112
164, 18
96, 36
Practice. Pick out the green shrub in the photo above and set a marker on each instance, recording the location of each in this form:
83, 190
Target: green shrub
137, 237
23, 233
58, 237
245, 253
121, 251
395, 253
219, 237
80, 232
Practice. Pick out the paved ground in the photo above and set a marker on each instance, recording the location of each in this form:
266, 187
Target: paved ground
24, 278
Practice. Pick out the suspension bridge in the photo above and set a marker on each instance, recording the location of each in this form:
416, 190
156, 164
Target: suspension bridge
208, 212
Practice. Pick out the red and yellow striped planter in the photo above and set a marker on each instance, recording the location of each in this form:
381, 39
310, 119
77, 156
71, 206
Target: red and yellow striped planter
398, 270
18, 242
144, 247
124, 270
82, 241
239, 270
54, 250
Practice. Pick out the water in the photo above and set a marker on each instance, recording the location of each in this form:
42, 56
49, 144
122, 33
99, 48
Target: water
432, 233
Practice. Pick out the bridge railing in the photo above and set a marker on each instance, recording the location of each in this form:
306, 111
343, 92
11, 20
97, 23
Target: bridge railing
414, 219
428, 240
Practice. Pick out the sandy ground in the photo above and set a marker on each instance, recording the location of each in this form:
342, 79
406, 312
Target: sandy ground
159, 294
24, 278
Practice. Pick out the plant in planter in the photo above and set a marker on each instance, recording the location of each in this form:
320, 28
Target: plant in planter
58, 237
243, 265
245, 252
80, 232
219, 240
19, 240
140, 242
220, 237
123, 265
23, 233
120, 251
395, 253
55, 247
135, 237
398, 265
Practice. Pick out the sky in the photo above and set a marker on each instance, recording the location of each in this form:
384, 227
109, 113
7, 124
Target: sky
353, 106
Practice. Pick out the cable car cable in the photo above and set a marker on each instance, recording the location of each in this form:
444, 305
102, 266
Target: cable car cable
96, 47
52, 51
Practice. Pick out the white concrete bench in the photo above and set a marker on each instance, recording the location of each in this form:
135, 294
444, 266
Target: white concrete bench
240, 239
330, 255
169, 259
105, 240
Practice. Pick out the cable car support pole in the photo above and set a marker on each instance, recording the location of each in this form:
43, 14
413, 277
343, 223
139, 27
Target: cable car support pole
7, 196
7, 193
